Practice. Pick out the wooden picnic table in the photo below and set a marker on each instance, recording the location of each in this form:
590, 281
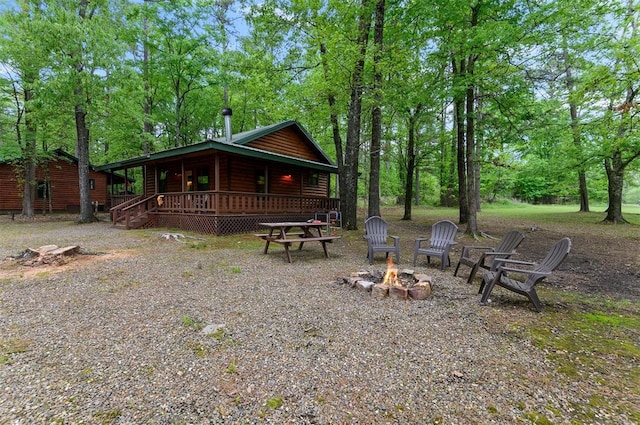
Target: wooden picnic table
304, 231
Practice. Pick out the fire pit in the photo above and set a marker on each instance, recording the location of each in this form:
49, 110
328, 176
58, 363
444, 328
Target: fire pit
393, 283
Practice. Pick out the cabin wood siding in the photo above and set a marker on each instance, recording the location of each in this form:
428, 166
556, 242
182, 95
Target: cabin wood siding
242, 174
10, 192
239, 174
150, 180
64, 183
287, 142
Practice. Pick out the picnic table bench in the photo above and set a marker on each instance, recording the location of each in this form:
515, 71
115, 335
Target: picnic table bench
280, 233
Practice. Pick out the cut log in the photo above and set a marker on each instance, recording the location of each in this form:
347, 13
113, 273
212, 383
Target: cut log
49, 254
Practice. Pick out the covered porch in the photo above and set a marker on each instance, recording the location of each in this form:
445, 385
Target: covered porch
216, 212
224, 186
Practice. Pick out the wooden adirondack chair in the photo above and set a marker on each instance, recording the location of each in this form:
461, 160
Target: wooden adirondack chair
440, 243
377, 238
505, 249
532, 276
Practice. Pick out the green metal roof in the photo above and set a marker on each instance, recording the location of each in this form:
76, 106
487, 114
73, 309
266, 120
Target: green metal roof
236, 146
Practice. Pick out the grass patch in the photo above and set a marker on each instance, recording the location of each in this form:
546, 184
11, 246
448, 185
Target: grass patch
594, 347
11, 346
192, 323
198, 348
274, 403
107, 416
232, 367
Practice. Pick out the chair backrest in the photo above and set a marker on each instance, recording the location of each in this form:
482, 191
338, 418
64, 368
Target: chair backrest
443, 233
376, 230
510, 241
555, 256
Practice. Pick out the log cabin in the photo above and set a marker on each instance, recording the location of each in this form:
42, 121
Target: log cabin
58, 188
228, 185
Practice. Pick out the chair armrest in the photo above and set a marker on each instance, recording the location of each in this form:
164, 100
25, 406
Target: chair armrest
510, 261
524, 271
498, 253
500, 262
394, 237
468, 248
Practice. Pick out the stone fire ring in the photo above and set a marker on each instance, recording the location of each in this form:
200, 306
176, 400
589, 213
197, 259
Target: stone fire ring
412, 285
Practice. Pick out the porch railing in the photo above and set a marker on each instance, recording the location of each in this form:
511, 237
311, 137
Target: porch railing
218, 202
119, 199
132, 209
221, 203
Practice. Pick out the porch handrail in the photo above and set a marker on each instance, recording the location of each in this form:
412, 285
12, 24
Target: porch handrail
125, 203
230, 202
221, 203
129, 210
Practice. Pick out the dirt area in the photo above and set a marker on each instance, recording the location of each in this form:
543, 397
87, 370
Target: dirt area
12, 268
596, 265
603, 260
601, 264
606, 267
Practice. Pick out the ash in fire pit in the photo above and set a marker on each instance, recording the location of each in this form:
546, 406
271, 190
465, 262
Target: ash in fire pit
401, 285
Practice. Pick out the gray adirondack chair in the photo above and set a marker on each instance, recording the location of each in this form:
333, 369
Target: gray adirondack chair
440, 243
505, 249
533, 275
377, 239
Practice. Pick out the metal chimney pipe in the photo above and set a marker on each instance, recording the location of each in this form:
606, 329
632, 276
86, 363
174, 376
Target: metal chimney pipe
226, 113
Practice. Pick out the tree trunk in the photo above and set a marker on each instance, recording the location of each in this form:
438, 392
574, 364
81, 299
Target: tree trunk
352, 149
376, 114
411, 164
615, 164
458, 111
472, 190
615, 176
472, 223
148, 100
29, 156
82, 134
575, 131
335, 125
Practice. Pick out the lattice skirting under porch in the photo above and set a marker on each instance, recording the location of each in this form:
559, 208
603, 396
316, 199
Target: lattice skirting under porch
222, 224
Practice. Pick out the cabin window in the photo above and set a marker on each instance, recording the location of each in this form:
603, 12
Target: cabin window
44, 190
313, 179
261, 182
203, 179
92, 184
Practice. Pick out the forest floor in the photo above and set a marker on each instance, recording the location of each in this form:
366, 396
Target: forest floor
118, 334
604, 259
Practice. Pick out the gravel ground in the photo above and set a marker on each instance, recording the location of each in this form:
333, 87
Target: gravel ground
118, 338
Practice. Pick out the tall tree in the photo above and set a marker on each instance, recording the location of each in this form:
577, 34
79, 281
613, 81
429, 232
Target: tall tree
349, 174
414, 115
575, 130
22, 53
82, 129
624, 84
376, 113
